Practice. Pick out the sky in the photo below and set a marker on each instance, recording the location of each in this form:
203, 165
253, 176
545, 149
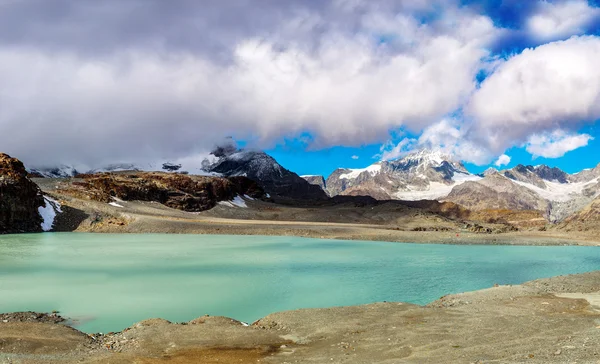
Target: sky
317, 84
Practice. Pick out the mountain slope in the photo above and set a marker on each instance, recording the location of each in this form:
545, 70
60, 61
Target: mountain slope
588, 219
550, 190
495, 191
422, 175
317, 181
269, 174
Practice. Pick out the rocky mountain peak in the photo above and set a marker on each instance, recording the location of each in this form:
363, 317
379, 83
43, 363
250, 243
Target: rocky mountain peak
20, 198
424, 174
264, 169
429, 159
551, 173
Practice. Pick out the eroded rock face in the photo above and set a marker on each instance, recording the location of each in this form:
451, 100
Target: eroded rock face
20, 198
270, 175
182, 192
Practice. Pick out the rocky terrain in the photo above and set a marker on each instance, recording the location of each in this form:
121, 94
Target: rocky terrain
496, 192
182, 192
20, 198
270, 175
586, 220
552, 320
524, 199
430, 175
317, 181
424, 175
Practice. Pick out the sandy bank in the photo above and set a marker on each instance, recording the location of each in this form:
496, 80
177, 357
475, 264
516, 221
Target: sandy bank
543, 321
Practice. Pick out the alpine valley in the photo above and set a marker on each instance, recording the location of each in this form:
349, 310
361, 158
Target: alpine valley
424, 191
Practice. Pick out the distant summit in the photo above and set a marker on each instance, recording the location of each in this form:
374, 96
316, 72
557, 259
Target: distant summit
424, 174
264, 169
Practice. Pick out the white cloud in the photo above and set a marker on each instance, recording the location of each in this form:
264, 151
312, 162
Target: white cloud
561, 19
555, 86
355, 157
446, 136
556, 144
503, 160
391, 151
451, 137
344, 88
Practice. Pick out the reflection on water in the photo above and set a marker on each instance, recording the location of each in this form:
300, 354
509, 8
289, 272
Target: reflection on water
108, 282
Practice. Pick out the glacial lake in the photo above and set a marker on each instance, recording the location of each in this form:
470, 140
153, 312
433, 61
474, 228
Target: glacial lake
108, 282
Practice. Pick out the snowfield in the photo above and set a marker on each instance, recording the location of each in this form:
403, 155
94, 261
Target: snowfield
559, 192
48, 213
373, 169
436, 190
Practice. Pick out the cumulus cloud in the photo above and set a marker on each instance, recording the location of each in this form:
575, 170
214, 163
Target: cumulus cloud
554, 86
453, 137
355, 157
447, 136
391, 151
345, 74
556, 144
141, 80
556, 20
503, 160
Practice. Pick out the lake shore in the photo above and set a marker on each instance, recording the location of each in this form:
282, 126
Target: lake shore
344, 221
149, 217
553, 320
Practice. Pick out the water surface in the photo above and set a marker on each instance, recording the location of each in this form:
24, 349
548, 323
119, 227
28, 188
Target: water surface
109, 282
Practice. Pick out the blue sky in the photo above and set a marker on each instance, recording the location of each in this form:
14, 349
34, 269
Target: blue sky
317, 84
323, 162
513, 17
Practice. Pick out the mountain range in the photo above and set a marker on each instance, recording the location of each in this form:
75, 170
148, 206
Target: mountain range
432, 175
421, 175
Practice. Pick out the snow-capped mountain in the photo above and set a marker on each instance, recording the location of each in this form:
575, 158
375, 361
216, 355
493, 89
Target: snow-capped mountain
423, 175
269, 174
191, 166
551, 190
61, 171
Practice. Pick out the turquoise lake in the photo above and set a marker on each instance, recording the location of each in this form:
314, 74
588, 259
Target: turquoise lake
109, 282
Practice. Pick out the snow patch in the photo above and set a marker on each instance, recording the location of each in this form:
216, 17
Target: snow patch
238, 201
48, 212
373, 170
248, 198
436, 190
115, 204
559, 192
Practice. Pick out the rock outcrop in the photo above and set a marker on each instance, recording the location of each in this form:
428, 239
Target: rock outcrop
317, 181
20, 198
183, 192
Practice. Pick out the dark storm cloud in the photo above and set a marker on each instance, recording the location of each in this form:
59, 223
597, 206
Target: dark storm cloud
93, 26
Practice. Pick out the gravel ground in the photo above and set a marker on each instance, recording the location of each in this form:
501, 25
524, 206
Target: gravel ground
526, 323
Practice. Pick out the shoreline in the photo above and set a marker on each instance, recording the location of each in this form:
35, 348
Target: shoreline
400, 237
463, 327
